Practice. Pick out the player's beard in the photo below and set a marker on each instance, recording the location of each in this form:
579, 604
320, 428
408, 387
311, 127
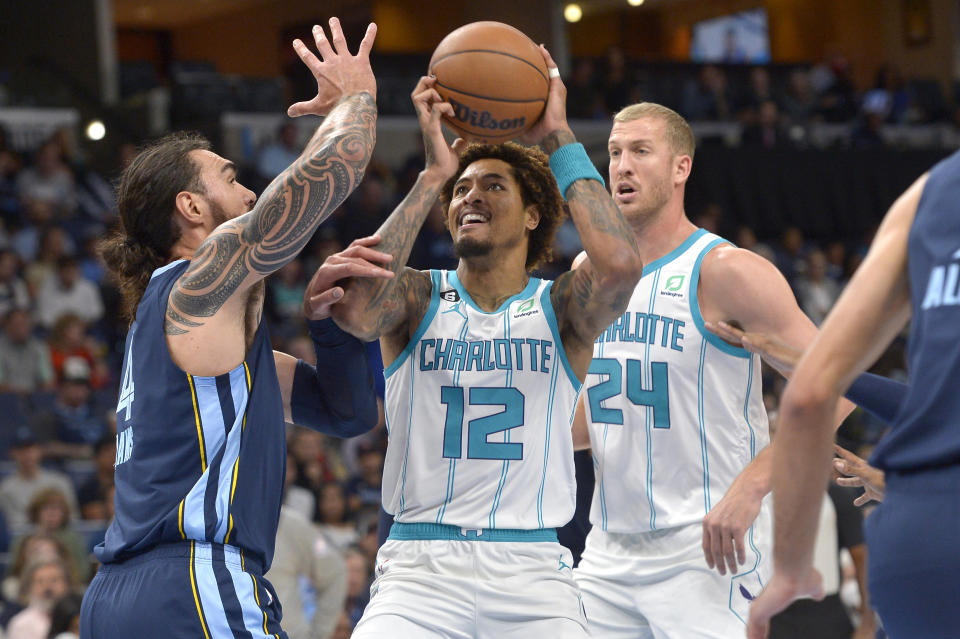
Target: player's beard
218, 214
467, 247
652, 201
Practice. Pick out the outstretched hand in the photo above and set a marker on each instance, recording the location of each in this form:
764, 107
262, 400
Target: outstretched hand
858, 473
554, 117
357, 260
442, 158
780, 355
725, 528
338, 73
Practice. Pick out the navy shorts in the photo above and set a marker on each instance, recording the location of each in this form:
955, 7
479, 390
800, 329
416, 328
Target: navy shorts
914, 566
186, 590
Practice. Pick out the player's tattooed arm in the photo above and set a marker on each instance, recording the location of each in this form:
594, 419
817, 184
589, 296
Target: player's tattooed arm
589, 298
243, 251
373, 307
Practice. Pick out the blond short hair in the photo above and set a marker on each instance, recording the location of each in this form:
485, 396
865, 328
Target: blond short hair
679, 134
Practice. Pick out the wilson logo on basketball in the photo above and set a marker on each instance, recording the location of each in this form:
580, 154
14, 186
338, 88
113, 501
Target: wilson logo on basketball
483, 119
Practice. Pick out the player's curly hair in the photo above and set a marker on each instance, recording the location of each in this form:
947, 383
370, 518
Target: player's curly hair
531, 169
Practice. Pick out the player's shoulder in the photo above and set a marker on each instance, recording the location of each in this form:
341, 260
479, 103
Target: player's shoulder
728, 265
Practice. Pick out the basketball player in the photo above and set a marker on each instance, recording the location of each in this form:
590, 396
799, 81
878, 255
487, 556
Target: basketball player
911, 270
483, 367
674, 414
200, 418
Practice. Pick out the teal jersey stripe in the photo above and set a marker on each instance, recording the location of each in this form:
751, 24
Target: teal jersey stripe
492, 518
547, 305
452, 469
649, 371
746, 412
601, 491
546, 451
406, 452
703, 430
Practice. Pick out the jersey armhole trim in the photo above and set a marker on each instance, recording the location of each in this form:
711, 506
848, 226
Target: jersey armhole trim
551, 317
721, 345
422, 328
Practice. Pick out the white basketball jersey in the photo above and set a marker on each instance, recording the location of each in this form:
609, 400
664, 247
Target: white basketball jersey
674, 412
479, 413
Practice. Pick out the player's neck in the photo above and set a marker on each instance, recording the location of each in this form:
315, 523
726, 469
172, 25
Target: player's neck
492, 281
659, 234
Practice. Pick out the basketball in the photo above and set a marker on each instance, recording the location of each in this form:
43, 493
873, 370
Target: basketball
495, 78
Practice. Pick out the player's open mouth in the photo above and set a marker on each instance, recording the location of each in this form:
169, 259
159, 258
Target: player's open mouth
473, 218
624, 192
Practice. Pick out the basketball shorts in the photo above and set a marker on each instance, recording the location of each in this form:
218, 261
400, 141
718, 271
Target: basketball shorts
443, 582
656, 585
188, 590
914, 566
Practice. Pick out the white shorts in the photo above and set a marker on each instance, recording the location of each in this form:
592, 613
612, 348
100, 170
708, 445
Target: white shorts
457, 589
656, 585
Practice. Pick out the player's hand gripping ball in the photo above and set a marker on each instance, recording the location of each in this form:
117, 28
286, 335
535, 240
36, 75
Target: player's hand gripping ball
495, 78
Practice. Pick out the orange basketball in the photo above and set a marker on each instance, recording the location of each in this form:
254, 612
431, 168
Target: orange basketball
495, 78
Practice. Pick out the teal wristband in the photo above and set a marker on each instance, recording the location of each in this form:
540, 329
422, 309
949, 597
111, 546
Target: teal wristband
570, 163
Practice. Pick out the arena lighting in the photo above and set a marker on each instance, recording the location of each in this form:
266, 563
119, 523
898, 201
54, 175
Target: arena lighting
96, 130
634, 3
572, 12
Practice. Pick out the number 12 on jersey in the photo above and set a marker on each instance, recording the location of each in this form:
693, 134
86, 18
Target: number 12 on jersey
657, 397
478, 430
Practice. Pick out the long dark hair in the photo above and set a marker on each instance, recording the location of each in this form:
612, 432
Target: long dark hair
146, 199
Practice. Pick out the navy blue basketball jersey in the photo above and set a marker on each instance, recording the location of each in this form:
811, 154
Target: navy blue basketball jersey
926, 431
198, 458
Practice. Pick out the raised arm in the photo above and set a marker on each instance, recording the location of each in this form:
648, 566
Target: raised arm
589, 298
241, 252
374, 308
869, 314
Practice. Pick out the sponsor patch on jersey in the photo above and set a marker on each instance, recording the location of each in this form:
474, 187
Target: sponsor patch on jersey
672, 286
526, 309
450, 295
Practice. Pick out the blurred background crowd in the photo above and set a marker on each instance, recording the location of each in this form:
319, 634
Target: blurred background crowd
797, 160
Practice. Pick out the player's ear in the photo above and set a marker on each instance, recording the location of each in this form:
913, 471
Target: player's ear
189, 207
531, 217
682, 165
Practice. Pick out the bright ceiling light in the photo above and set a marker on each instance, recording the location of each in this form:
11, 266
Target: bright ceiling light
572, 12
96, 130
634, 3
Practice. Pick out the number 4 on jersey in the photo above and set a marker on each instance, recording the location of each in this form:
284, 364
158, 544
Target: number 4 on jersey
657, 397
125, 403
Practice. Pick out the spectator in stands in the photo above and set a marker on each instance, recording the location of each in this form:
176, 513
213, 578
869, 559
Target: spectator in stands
758, 91
816, 292
790, 254
344, 627
4, 535
799, 102
70, 338
10, 166
867, 133
359, 576
890, 84
25, 364
278, 154
50, 515
48, 180
363, 489
28, 479
53, 245
837, 95
615, 85
767, 133
284, 302
365, 209
708, 98
317, 460
65, 617
584, 100
33, 547
68, 292
75, 420
44, 582
13, 290
92, 495
309, 577
334, 516
434, 246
